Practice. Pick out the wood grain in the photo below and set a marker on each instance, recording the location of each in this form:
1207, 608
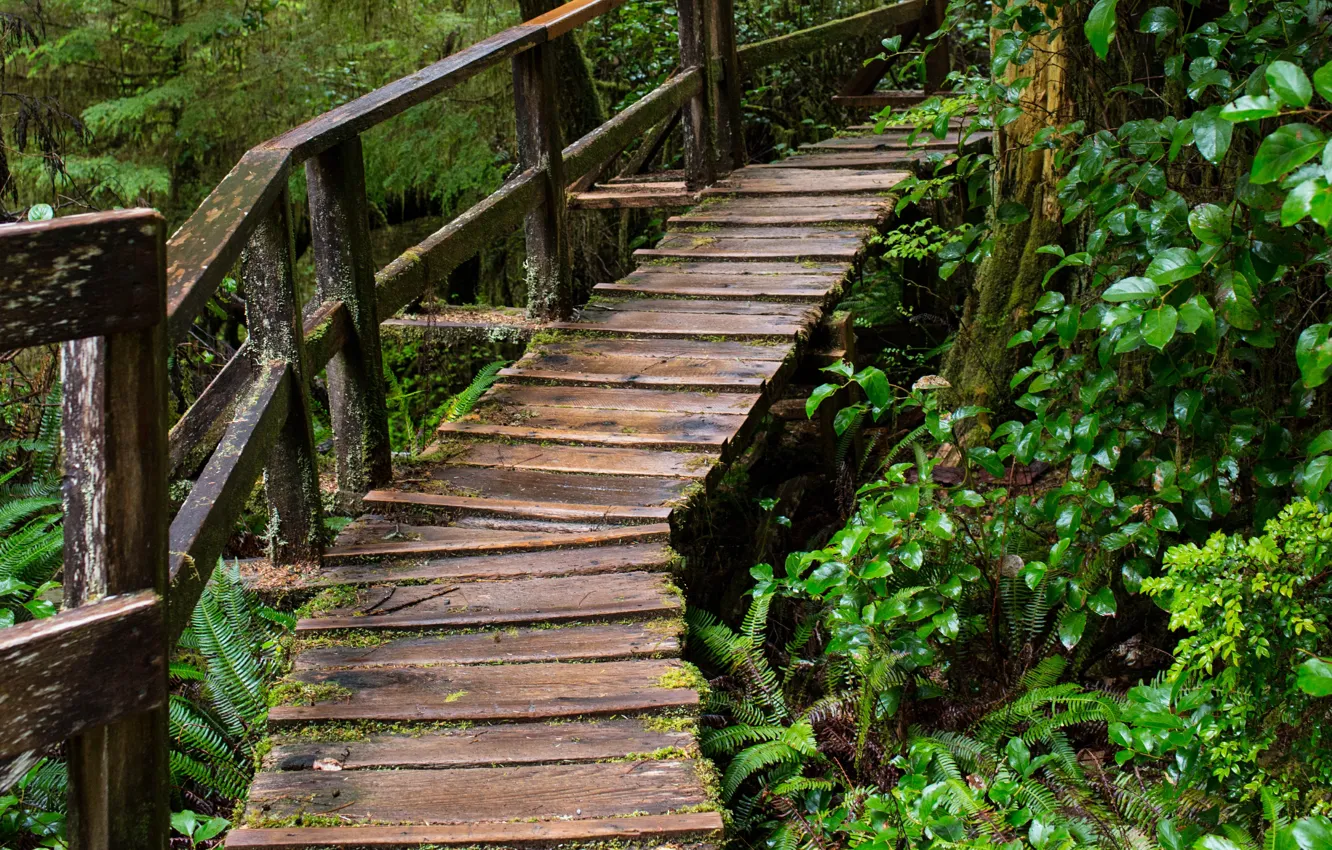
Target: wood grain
591, 459
470, 541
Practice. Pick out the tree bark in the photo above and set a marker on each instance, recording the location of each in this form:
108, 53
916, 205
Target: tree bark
581, 110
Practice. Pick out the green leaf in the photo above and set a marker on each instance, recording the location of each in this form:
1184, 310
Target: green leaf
1050, 302
1212, 133
1186, 405
817, 397
1103, 494
41, 212
988, 459
1313, 354
938, 524
1287, 148
1322, 80
1100, 26
1290, 83
1210, 223
1174, 264
1316, 477
1071, 626
1132, 289
875, 384
1313, 832
1158, 326
911, 555
1299, 203
1103, 602
1011, 213
1159, 19
1251, 108
1318, 445
1315, 677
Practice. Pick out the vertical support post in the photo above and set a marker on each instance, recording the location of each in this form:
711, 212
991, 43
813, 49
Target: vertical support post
344, 271
939, 62
700, 169
549, 273
116, 520
727, 87
273, 318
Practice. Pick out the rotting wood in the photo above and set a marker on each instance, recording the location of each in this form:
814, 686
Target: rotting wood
549, 269
433, 504
469, 541
589, 459
80, 276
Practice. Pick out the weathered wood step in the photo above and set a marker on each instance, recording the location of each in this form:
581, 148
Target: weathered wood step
868, 159
900, 140
685, 232
751, 211
670, 349
695, 829
722, 375
606, 427
806, 181
635, 196
578, 489
686, 324
376, 538
806, 288
595, 642
485, 746
590, 459
445, 605
437, 505
593, 560
818, 246
799, 313
604, 398
487, 693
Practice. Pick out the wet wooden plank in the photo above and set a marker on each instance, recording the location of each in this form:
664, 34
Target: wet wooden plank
685, 828
806, 181
808, 288
692, 306
483, 746
721, 246
481, 794
594, 642
489, 692
379, 539
684, 234
80, 276
600, 398
606, 427
897, 159
686, 324
591, 459
893, 141
562, 19
635, 196
80, 669
435, 505
491, 603
642, 371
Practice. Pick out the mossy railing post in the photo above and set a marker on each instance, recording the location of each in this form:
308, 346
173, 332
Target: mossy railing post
344, 271
700, 170
273, 318
549, 273
725, 86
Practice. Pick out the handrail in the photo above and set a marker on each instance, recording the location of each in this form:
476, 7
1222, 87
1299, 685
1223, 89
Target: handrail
886, 18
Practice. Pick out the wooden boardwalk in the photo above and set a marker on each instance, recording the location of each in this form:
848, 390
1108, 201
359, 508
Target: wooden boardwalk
493, 656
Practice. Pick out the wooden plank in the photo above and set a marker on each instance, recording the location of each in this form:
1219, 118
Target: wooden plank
492, 603
80, 276
686, 828
898, 141
899, 99
205, 521
480, 794
694, 306
725, 247
546, 486
595, 560
807, 288
635, 196
489, 693
83, 668
876, 23
485, 746
327, 330
686, 324
404, 279
684, 235
594, 642
600, 398
369, 540
590, 459
868, 159
206, 247
805, 181
646, 371
753, 269
435, 505
357, 116
607, 428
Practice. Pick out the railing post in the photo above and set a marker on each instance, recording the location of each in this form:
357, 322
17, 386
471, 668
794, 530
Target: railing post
699, 167
344, 270
724, 74
115, 437
272, 316
549, 274
939, 62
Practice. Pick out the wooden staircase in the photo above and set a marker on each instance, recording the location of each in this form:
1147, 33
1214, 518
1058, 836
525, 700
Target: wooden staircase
492, 655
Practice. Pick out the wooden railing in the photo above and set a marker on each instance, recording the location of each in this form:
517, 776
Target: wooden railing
97, 672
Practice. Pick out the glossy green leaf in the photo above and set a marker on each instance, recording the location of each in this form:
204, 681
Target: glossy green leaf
1071, 627
1102, 602
1252, 108
817, 397
1100, 26
1313, 354
1287, 148
1158, 326
1210, 223
1159, 19
1174, 264
1132, 289
1316, 477
1290, 83
1212, 133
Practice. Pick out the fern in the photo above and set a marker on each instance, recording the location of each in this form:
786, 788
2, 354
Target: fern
462, 403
